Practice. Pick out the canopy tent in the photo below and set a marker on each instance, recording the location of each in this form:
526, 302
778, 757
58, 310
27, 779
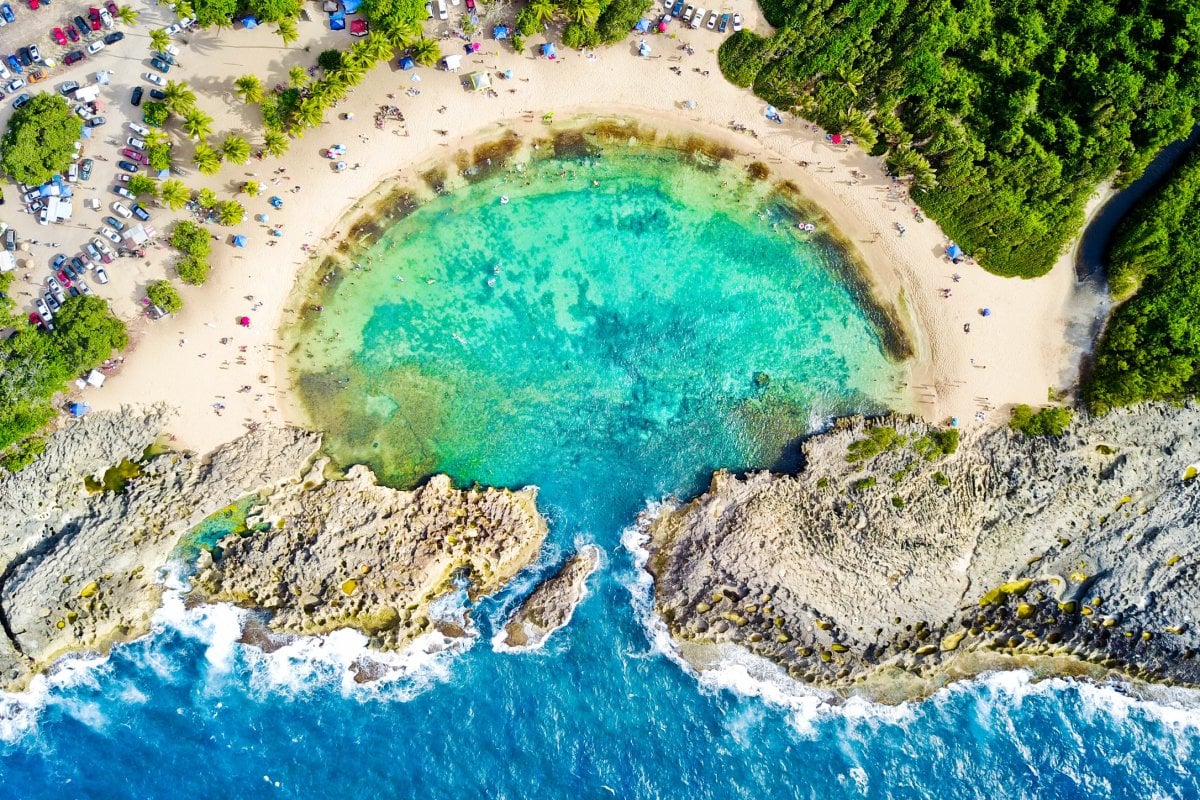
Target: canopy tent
452, 62
954, 251
480, 80
662, 25
643, 26
407, 63
249, 23
548, 50
643, 49
329, 6
337, 21
277, 201
472, 47
351, 6
508, 74
985, 312
500, 32
263, 218
239, 241
95, 378
358, 27
78, 409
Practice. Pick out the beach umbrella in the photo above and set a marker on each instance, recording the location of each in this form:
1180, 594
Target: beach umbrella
239, 241
644, 49
277, 202
689, 104
770, 112
276, 232
837, 138
987, 312
262, 218
244, 322
508, 74
548, 50
954, 251
407, 63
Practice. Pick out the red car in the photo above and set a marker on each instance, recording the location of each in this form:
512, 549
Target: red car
59, 36
112, 9
136, 155
33, 5
94, 17
64, 279
72, 34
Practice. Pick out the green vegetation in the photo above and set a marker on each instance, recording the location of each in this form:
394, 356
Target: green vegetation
173, 194
163, 295
1050, 421
1151, 348
249, 88
141, 186
37, 365
40, 140
862, 484
897, 501
193, 241
588, 22
230, 212
940, 478
936, 444
206, 159
22, 454
221, 13
329, 60
235, 149
880, 439
155, 113
1003, 115
397, 20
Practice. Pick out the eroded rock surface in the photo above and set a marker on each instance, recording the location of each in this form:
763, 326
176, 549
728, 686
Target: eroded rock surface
552, 603
1085, 546
81, 567
350, 553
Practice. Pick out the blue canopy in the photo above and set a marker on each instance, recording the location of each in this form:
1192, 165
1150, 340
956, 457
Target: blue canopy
407, 63
954, 251
239, 241
643, 25
351, 6
548, 49
500, 32
249, 23
277, 201
78, 409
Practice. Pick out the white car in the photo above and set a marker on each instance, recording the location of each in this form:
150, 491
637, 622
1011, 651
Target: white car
184, 23
111, 235
4, 73
42, 309
106, 18
83, 287
737, 22
138, 129
155, 79
698, 18
442, 12
73, 172
712, 21
95, 47
44, 217
133, 141
121, 211
102, 246
687, 14
173, 29
56, 289
101, 275
14, 86
121, 191
429, 9
124, 177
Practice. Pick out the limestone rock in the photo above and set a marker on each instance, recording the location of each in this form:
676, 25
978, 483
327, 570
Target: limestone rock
351, 553
1010, 548
552, 603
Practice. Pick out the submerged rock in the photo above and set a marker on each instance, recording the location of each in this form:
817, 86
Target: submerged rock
891, 558
551, 605
351, 553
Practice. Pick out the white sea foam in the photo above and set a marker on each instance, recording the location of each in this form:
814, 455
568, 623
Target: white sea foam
20, 711
499, 637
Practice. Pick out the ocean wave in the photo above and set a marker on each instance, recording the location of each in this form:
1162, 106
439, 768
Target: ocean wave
21, 711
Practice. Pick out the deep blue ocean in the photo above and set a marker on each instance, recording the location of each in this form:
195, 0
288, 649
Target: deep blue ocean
618, 329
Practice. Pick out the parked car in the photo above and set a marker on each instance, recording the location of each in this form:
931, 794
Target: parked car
58, 261
59, 37
139, 130
106, 19
687, 14
96, 122
85, 169
122, 210
157, 94
73, 57
15, 64
22, 100
66, 87
106, 254
91, 250
114, 223
112, 8
737, 22
95, 47
73, 172
136, 155
52, 301
14, 85
34, 5
135, 97
111, 235
134, 141
72, 34
81, 25
128, 166
7, 13
43, 308
101, 274
34, 53
723, 25
10, 239
84, 289
443, 12
4, 73
56, 289
114, 37
712, 21
37, 76
167, 57
94, 18
140, 212
123, 177
157, 80
160, 65
83, 110
24, 57
123, 192
697, 18
173, 29
79, 264
63, 278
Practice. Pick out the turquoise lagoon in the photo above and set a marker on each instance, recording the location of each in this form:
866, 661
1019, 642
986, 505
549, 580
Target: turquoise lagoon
640, 332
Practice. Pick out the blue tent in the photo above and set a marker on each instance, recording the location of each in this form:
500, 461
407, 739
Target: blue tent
407, 63
548, 49
351, 6
337, 21
78, 409
500, 32
239, 241
954, 251
249, 23
277, 201
163, 174
643, 25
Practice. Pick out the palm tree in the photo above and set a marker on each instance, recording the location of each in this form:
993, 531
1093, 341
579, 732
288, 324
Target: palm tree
275, 143
426, 52
207, 160
184, 9
311, 113
298, 77
179, 98
379, 46
206, 198
360, 54
235, 149
543, 11
404, 34
142, 185
159, 40
287, 31
230, 212
252, 188
156, 138
585, 12
174, 194
127, 15
197, 124
249, 88
349, 74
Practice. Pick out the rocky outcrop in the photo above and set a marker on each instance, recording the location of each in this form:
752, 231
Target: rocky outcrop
908, 566
81, 566
551, 605
350, 553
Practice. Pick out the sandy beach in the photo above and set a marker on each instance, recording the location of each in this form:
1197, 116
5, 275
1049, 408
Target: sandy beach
201, 357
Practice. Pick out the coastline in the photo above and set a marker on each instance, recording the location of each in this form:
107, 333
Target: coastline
1017, 352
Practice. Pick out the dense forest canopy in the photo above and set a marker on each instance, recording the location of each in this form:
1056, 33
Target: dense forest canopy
1006, 114
1151, 348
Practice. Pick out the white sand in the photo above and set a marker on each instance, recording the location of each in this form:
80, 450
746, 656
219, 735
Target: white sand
1014, 355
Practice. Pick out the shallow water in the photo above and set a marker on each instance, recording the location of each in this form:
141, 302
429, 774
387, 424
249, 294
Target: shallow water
613, 363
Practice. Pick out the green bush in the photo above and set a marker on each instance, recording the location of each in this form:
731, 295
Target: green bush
230, 212
1050, 421
329, 60
192, 269
195, 243
155, 113
880, 439
527, 24
862, 484
940, 478
22, 454
938, 443
40, 140
618, 19
163, 295
578, 36
742, 56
